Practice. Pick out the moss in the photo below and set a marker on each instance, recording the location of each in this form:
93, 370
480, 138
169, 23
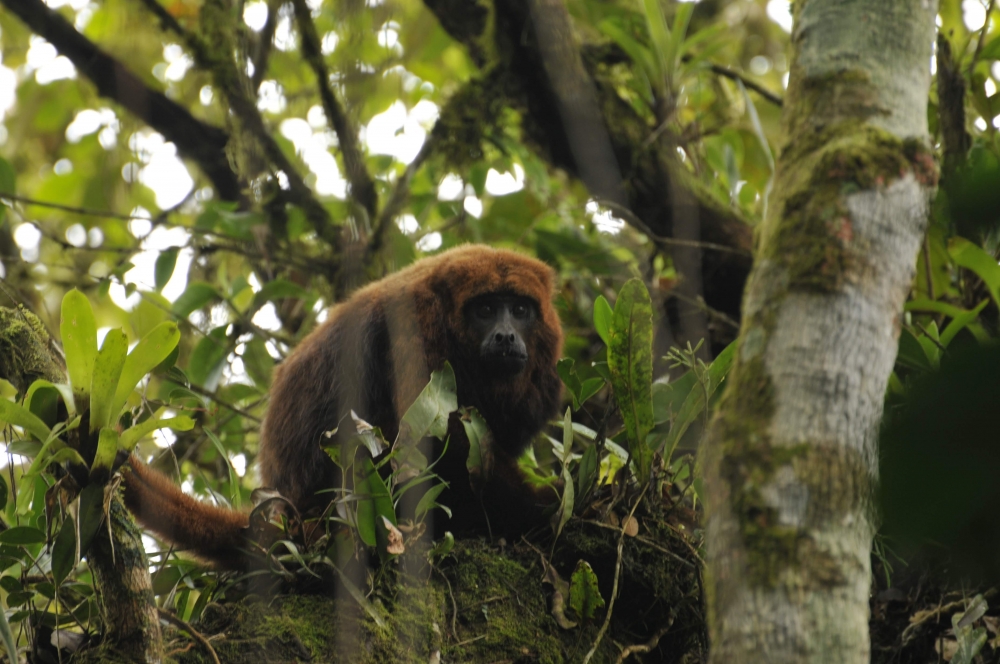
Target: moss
811, 233
25, 353
503, 611
474, 114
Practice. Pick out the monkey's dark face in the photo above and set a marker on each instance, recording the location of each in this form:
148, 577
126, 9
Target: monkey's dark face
502, 323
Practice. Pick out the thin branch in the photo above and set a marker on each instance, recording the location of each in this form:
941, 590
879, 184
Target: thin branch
614, 585
624, 213
228, 406
167, 19
195, 140
399, 195
265, 43
982, 37
722, 70
652, 642
362, 187
229, 81
195, 634
90, 212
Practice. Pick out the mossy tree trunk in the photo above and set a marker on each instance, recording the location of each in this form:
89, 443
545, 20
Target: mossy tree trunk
791, 458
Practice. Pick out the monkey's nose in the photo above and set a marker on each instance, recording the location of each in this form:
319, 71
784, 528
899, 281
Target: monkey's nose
501, 337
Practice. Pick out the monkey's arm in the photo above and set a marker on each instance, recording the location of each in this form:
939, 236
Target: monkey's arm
212, 533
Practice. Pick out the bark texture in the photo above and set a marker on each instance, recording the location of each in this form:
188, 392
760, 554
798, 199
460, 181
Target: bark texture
791, 458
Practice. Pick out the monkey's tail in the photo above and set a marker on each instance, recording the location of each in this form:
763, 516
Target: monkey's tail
215, 534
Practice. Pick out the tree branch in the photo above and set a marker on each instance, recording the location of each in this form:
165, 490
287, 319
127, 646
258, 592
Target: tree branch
195, 140
215, 19
362, 187
399, 195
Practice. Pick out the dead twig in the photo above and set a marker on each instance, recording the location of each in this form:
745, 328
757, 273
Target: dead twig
651, 643
618, 571
195, 634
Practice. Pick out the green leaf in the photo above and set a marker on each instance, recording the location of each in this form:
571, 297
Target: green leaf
258, 362
278, 289
580, 391
568, 501
64, 390
694, 403
131, 436
428, 415
9, 642
206, 361
360, 598
602, 318
960, 322
934, 306
476, 431
970, 639
8, 178
587, 471
12, 413
584, 595
22, 535
79, 340
107, 448
428, 501
991, 51
669, 397
234, 480
374, 502
149, 352
91, 514
630, 359
107, 371
972, 257
911, 353
195, 296
164, 268
64, 556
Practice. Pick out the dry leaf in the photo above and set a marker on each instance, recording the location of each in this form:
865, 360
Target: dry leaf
395, 545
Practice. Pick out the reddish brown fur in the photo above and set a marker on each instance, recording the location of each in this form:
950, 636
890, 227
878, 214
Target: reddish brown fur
374, 354
215, 533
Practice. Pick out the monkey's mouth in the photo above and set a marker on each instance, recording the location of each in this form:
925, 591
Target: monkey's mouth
508, 362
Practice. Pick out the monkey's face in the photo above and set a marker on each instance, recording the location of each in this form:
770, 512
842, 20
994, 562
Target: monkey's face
502, 322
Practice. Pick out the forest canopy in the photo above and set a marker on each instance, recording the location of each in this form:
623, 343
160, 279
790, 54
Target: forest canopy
218, 173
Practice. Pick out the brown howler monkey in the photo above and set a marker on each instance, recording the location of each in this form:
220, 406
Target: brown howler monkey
486, 311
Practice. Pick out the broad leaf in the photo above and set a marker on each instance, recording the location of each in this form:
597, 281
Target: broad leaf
972, 257
568, 501
584, 595
107, 448
164, 267
131, 436
630, 359
694, 404
602, 318
79, 340
149, 352
64, 555
12, 413
22, 535
107, 371
428, 415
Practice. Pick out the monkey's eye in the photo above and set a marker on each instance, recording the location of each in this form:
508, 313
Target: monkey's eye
519, 311
484, 311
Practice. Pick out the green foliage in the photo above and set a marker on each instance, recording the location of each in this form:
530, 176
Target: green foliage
584, 595
630, 359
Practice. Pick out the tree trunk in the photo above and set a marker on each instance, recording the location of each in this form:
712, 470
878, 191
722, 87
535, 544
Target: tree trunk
791, 458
